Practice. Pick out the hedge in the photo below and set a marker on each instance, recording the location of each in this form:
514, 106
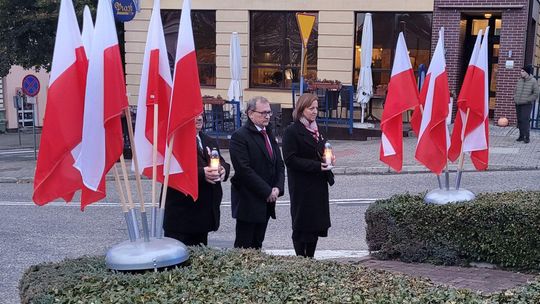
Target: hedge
498, 228
243, 276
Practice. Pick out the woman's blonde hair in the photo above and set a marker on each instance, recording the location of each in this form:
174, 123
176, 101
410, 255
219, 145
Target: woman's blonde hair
303, 102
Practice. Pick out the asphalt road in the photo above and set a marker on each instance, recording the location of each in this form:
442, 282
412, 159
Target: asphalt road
31, 234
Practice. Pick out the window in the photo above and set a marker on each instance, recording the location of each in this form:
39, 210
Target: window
276, 49
386, 27
204, 34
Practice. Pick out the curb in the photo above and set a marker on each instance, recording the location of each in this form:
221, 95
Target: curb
348, 171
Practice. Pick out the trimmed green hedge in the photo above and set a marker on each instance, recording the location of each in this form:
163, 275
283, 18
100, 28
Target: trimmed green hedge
243, 276
498, 228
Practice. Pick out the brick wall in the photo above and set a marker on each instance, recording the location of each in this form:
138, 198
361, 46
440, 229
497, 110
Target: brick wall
514, 14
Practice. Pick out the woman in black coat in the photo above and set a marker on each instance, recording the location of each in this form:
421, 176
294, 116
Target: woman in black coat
308, 177
189, 221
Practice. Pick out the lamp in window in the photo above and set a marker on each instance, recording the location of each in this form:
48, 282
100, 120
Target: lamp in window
267, 56
487, 15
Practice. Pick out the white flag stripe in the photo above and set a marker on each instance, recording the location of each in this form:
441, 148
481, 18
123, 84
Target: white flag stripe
436, 68
387, 147
402, 62
68, 38
477, 140
88, 30
91, 160
155, 41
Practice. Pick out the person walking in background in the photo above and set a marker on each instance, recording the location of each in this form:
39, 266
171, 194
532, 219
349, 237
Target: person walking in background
190, 221
308, 177
525, 95
259, 175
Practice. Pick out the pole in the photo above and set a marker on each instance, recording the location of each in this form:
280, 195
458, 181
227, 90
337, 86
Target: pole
34, 128
166, 170
302, 70
129, 197
144, 220
154, 171
123, 205
461, 155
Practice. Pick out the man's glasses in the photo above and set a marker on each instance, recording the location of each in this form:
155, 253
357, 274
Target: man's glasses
265, 113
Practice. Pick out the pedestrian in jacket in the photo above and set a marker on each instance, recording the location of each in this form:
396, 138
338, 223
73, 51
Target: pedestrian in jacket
259, 175
525, 95
308, 177
190, 221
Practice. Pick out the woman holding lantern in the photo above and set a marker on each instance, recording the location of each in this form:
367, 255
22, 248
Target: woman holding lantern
309, 160
190, 221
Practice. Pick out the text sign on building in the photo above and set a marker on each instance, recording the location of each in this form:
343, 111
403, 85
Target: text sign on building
30, 85
124, 10
305, 24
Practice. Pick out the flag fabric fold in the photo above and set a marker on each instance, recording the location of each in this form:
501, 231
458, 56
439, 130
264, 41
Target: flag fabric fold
433, 136
185, 105
474, 97
155, 88
55, 176
105, 100
402, 95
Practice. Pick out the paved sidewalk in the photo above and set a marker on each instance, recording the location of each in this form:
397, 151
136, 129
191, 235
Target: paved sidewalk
477, 279
353, 157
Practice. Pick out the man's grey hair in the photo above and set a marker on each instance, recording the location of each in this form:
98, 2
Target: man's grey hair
252, 103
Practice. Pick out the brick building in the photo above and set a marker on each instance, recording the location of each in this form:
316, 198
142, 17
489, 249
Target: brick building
513, 42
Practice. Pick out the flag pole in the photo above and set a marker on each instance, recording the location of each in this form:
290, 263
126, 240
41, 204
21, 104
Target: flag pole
144, 219
129, 197
154, 171
123, 204
461, 155
166, 174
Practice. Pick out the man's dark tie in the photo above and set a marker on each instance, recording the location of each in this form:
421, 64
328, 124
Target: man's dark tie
199, 144
267, 144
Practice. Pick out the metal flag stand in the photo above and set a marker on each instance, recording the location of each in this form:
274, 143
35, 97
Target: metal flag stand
144, 253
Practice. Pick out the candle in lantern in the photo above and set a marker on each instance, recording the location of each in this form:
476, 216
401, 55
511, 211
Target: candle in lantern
214, 159
328, 153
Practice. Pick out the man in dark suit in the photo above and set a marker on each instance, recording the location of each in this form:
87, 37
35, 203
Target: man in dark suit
259, 175
189, 221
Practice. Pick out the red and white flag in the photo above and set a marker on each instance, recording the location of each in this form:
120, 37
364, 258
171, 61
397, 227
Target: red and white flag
186, 104
88, 30
105, 100
156, 83
402, 96
55, 176
474, 138
433, 137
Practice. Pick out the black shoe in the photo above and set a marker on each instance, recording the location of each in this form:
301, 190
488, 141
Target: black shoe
519, 139
526, 140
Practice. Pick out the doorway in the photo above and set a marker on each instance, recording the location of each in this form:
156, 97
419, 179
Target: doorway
471, 24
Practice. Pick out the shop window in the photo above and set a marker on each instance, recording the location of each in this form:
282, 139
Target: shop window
275, 50
386, 27
204, 35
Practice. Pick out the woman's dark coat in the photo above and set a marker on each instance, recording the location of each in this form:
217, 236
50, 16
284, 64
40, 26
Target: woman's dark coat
184, 216
255, 174
308, 185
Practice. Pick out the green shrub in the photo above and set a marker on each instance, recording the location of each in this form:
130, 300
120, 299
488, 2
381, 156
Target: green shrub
237, 276
498, 228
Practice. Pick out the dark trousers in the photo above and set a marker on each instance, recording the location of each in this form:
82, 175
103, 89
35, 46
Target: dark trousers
250, 235
192, 239
523, 113
305, 249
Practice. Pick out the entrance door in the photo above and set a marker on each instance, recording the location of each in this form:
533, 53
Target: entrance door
471, 25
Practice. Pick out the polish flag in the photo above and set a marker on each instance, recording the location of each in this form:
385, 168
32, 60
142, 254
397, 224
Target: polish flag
474, 138
433, 137
55, 176
105, 100
402, 96
156, 83
186, 104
